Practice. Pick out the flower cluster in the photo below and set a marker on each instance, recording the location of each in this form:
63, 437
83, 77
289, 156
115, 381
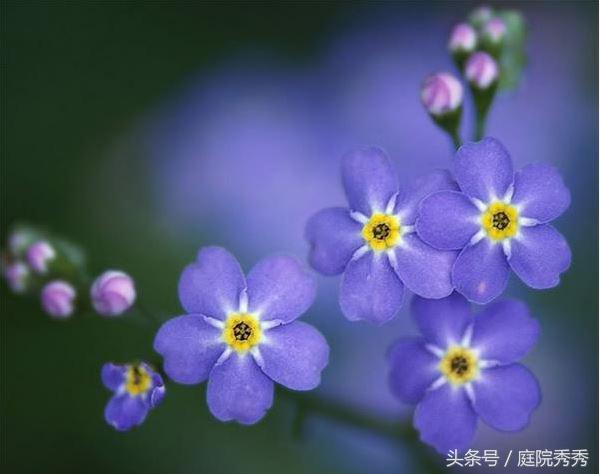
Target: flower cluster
451, 238
476, 47
37, 262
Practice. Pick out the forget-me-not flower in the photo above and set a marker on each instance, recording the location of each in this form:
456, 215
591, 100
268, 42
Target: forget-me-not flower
137, 389
464, 367
240, 333
374, 243
499, 220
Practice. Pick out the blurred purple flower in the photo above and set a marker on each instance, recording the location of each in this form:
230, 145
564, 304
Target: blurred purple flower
113, 293
464, 367
58, 299
499, 221
240, 333
373, 242
137, 389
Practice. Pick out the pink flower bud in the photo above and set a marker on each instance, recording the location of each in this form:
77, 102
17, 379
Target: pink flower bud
463, 38
441, 93
495, 30
113, 293
39, 255
17, 275
481, 70
58, 299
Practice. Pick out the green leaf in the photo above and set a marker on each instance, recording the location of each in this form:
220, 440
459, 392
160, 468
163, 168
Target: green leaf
513, 58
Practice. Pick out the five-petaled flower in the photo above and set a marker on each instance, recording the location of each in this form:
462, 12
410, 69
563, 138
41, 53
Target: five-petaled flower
499, 222
464, 367
374, 242
240, 333
137, 389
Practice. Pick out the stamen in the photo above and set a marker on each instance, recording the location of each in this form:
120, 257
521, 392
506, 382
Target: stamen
381, 231
500, 221
242, 332
459, 365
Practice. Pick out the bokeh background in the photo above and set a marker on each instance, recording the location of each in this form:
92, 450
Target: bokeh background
145, 130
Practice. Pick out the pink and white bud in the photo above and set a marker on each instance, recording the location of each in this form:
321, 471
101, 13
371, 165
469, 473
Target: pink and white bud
113, 293
495, 30
463, 39
39, 255
441, 93
481, 70
58, 299
17, 276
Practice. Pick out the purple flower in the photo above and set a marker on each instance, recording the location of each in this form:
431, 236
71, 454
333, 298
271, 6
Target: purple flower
240, 333
39, 255
464, 367
441, 93
499, 220
113, 293
137, 389
374, 243
17, 276
481, 70
58, 298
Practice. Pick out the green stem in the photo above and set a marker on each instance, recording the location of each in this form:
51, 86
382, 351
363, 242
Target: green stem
308, 405
455, 139
480, 126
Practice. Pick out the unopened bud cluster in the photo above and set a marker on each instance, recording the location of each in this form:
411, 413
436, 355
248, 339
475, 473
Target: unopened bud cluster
475, 45
37, 263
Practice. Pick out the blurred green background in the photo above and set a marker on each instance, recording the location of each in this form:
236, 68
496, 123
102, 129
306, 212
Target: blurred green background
76, 77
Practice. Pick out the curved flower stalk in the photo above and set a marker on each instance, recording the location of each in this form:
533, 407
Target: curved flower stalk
500, 221
465, 367
374, 243
241, 333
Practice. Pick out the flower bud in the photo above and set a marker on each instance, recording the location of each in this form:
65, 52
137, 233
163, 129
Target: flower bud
494, 30
58, 299
481, 15
39, 255
20, 239
17, 276
463, 39
441, 94
481, 70
113, 293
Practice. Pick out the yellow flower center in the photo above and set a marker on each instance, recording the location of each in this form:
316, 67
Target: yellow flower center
138, 380
500, 221
241, 331
382, 231
459, 365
